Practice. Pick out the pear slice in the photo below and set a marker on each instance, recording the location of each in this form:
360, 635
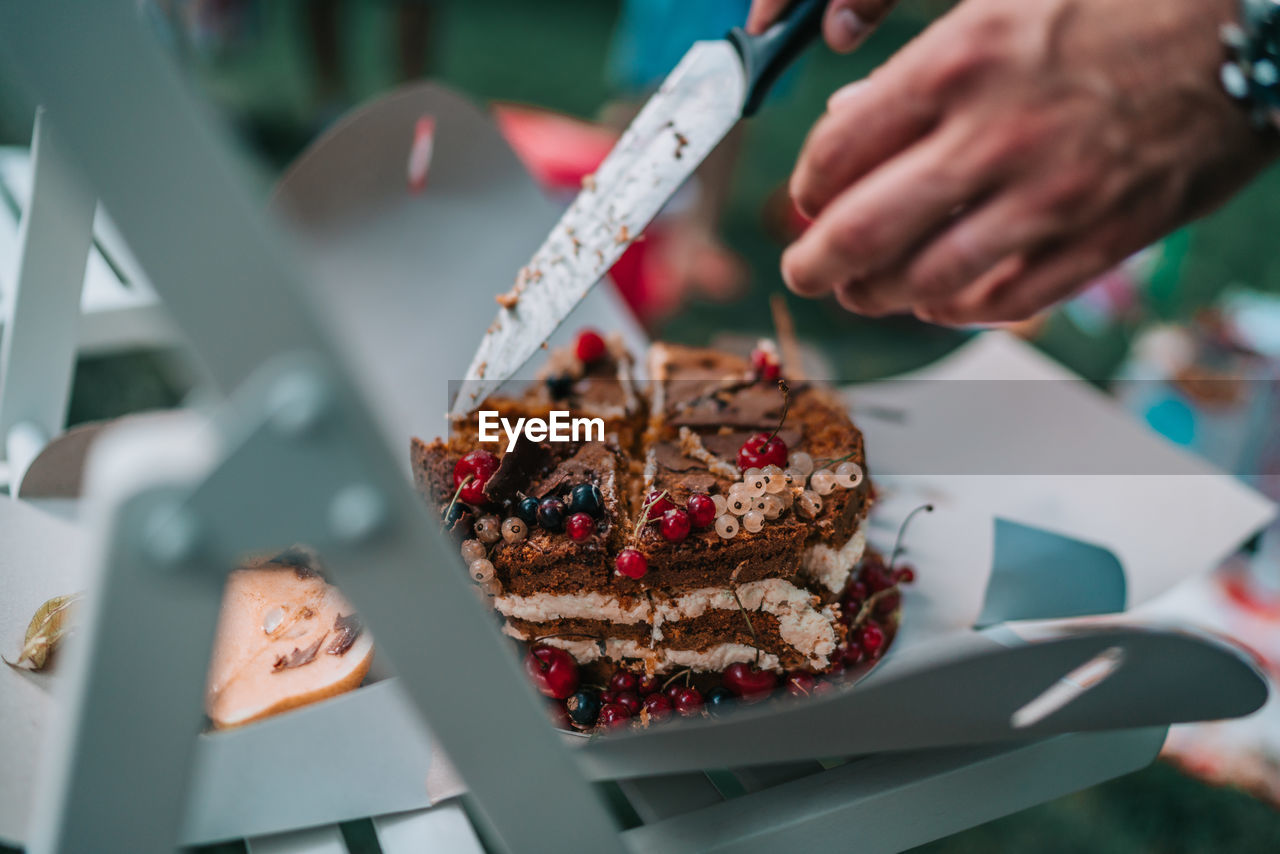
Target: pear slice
285, 638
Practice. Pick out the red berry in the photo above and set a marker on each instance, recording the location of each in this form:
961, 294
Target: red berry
836, 669
590, 346
607, 696
630, 699
688, 702
672, 691
580, 526
822, 687
622, 680
553, 671
702, 510
675, 525
658, 705
871, 639
888, 603
851, 654
559, 716
854, 597
799, 684
747, 682
905, 575
631, 563
657, 506
765, 364
614, 715
480, 465
760, 451
647, 685
876, 577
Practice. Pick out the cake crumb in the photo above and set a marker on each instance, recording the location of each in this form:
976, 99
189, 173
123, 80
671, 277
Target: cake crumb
589, 182
509, 299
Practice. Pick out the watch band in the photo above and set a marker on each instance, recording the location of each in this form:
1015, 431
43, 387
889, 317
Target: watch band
1252, 73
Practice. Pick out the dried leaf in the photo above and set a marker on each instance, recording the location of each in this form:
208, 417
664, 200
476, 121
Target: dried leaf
51, 623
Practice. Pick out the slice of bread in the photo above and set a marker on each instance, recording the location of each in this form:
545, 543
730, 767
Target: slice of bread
285, 638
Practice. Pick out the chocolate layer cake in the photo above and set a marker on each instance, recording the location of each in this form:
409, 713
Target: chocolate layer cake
716, 521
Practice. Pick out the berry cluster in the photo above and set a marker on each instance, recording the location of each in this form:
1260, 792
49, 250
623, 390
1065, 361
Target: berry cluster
764, 493
868, 609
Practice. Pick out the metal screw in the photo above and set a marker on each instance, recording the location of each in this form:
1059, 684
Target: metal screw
297, 402
171, 535
357, 512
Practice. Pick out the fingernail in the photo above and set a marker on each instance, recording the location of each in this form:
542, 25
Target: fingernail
845, 95
847, 29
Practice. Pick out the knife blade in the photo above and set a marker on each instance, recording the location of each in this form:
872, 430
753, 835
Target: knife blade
714, 85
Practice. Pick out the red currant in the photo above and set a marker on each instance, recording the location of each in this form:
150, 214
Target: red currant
675, 525
647, 685
747, 682
580, 526
688, 702
630, 699
631, 563
702, 510
854, 597
657, 506
589, 346
850, 654
765, 363
799, 684
905, 575
876, 577
480, 465
553, 671
760, 451
658, 705
614, 715
622, 680
888, 603
871, 639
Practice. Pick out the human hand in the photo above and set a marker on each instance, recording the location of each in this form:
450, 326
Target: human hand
845, 24
1015, 150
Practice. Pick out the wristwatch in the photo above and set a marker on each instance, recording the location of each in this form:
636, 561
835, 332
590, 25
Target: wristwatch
1252, 73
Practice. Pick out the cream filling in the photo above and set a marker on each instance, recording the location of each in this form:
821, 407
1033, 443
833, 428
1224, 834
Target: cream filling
713, 658
831, 567
801, 625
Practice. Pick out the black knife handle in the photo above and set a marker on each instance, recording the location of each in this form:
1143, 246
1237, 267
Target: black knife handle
766, 56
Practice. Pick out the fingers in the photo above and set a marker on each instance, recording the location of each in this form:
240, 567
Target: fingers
763, 13
847, 23
875, 223
869, 122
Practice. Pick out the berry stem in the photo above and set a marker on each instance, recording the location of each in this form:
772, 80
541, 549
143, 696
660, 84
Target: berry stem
457, 492
645, 507
864, 612
902, 529
755, 639
688, 671
824, 463
786, 404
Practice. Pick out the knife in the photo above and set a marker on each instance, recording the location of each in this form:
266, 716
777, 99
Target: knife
716, 84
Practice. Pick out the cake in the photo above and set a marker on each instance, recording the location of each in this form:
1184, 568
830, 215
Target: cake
716, 527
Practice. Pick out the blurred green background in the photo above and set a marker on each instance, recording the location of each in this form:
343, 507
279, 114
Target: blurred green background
278, 90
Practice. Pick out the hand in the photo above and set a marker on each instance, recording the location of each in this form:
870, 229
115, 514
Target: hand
1015, 150
845, 25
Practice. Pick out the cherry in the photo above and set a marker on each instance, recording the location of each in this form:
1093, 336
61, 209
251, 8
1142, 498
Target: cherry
672, 691
480, 465
657, 506
799, 684
850, 654
854, 597
527, 509
904, 575
559, 717
765, 364
589, 346
749, 683
702, 510
630, 699
583, 708
876, 577
553, 671
614, 715
607, 696
871, 639
675, 525
622, 680
760, 450
631, 563
586, 498
551, 514
688, 702
658, 705
580, 526
836, 670
647, 685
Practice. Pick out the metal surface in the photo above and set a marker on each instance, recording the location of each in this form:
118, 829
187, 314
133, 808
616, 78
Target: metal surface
698, 103
38, 333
